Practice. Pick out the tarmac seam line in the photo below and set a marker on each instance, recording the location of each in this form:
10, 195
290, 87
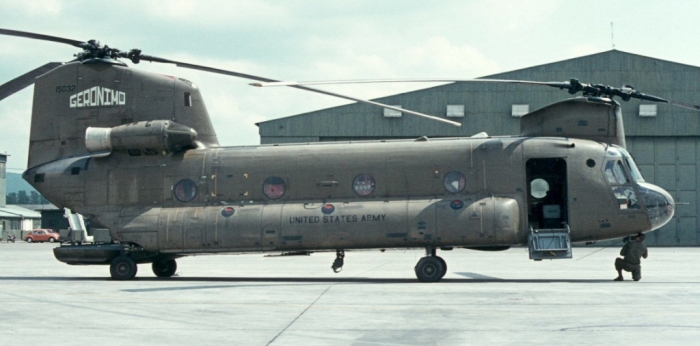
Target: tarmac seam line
301, 314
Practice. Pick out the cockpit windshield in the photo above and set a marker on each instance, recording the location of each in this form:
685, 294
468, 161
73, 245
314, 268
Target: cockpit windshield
614, 157
619, 178
636, 174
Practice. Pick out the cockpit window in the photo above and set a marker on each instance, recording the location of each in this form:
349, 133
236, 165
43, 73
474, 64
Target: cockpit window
636, 174
618, 178
615, 172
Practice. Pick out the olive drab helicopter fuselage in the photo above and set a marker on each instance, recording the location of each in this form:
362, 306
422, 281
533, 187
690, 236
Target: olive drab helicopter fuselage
136, 153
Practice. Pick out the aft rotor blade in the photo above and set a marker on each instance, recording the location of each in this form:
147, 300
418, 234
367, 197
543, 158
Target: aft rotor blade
76, 43
25, 80
268, 80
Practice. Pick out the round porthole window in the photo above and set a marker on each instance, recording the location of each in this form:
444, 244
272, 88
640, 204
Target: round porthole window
363, 185
274, 187
185, 190
454, 182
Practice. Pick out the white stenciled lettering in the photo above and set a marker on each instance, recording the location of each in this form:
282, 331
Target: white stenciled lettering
97, 97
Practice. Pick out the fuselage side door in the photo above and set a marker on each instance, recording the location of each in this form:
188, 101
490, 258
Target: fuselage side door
547, 193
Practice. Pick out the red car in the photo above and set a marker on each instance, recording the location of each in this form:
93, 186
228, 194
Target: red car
41, 235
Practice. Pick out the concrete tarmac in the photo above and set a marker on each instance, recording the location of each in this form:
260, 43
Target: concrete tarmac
486, 298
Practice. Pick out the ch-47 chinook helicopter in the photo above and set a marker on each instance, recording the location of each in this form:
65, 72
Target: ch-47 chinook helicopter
136, 153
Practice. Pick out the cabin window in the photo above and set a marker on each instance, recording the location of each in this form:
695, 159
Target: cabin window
274, 187
363, 185
188, 100
454, 182
539, 188
185, 190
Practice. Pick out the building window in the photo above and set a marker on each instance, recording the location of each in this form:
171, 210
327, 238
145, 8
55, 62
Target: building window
647, 110
390, 113
455, 111
520, 110
2, 170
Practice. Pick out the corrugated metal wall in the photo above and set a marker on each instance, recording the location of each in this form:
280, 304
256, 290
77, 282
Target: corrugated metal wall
671, 163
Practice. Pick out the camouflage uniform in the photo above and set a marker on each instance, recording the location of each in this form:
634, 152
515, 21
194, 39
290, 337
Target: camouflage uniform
632, 252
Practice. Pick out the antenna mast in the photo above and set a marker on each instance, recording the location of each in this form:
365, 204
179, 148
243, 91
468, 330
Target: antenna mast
612, 35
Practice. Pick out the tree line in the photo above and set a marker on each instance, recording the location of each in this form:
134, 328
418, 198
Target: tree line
24, 197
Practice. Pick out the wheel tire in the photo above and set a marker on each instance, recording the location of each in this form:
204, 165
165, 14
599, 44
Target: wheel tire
29, 240
430, 269
164, 269
123, 268
51, 240
444, 266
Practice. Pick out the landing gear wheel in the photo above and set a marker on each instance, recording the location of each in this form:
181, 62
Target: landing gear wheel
444, 266
123, 268
430, 269
164, 269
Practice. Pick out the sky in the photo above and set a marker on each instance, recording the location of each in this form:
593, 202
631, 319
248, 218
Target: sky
303, 40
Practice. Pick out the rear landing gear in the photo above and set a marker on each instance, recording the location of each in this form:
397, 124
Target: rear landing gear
338, 263
431, 268
164, 269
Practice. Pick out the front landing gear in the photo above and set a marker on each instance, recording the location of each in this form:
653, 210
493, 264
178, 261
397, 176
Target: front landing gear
431, 268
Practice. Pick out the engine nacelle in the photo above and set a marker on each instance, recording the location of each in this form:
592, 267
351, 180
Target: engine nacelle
147, 136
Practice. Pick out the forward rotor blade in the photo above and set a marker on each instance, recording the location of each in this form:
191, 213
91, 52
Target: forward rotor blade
268, 80
562, 85
684, 105
25, 80
79, 44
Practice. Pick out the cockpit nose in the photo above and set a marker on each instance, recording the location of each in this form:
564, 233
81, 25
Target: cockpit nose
659, 203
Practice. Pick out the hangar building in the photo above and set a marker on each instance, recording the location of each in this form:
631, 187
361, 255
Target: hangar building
663, 139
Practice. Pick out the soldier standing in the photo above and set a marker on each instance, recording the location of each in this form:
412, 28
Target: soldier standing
633, 251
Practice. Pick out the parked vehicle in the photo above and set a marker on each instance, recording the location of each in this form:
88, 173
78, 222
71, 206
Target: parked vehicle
11, 238
41, 235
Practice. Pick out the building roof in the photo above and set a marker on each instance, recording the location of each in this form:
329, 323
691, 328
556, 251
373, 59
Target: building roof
39, 207
15, 212
487, 106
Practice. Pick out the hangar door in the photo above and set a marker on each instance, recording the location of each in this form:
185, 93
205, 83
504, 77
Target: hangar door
672, 164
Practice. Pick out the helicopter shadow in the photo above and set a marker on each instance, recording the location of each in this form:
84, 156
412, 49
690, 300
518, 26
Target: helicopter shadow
473, 279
